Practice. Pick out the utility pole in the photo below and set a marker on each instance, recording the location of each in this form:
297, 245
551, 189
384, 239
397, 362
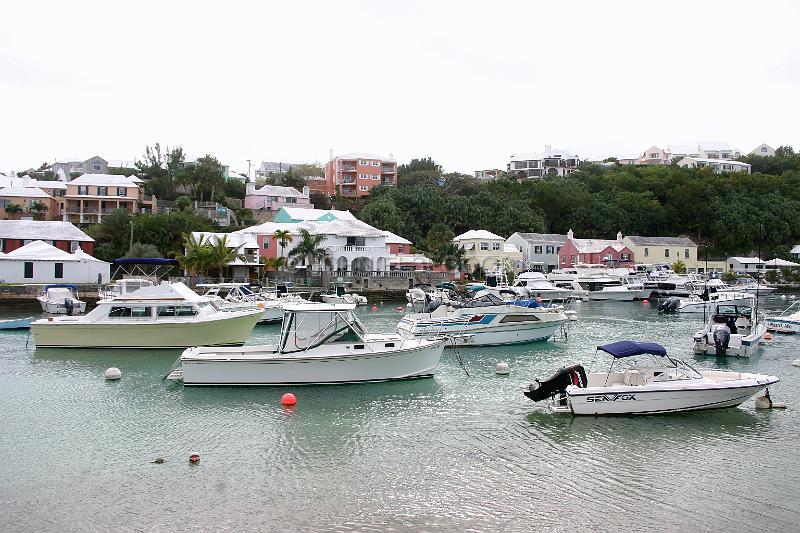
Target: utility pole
248, 170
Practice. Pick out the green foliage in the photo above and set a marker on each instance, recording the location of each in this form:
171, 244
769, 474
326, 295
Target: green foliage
234, 188
308, 248
183, 203
143, 250
37, 207
13, 209
772, 276
320, 200
679, 267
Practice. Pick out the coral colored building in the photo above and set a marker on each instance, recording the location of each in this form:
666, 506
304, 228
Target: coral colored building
594, 251
355, 174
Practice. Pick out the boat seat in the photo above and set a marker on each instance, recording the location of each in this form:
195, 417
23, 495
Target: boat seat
633, 377
742, 323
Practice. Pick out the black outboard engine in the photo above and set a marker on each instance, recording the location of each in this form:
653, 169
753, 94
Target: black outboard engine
722, 337
432, 306
670, 304
558, 382
68, 305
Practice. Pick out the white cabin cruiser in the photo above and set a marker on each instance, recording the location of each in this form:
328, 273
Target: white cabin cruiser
647, 385
161, 316
237, 296
319, 344
706, 302
536, 284
732, 330
785, 322
60, 299
486, 321
596, 284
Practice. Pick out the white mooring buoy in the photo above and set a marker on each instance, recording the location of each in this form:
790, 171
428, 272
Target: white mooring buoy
113, 373
796, 362
501, 368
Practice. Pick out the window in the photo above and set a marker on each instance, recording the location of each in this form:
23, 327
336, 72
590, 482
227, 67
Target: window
130, 312
96, 166
29, 269
625, 257
74, 245
763, 149
574, 258
362, 162
375, 163
484, 246
175, 310
4, 203
537, 249
59, 273
363, 188
666, 252
83, 189
608, 257
686, 253
646, 252
376, 176
550, 250
122, 191
102, 191
495, 246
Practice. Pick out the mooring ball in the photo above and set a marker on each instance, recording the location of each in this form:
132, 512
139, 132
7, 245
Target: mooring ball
113, 373
502, 368
288, 399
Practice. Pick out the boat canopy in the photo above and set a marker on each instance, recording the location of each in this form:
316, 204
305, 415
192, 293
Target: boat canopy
308, 325
631, 348
144, 261
61, 286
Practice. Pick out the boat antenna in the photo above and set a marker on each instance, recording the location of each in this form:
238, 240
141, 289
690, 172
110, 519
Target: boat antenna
705, 285
758, 274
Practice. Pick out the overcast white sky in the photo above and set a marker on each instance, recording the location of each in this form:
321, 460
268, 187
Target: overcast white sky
468, 83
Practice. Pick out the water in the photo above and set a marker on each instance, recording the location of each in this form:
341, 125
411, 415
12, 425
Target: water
452, 453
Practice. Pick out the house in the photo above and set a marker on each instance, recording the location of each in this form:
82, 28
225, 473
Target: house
594, 251
40, 262
718, 165
717, 150
663, 250
484, 249
763, 150
551, 162
299, 214
356, 173
748, 265
488, 175
629, 159
63, 235
656, 156
245, 245
27, 198
91, 196
780, 264
268, 168
32, 190
795, 251
70, 168
679, 151
273, 197
539, 250
397, 244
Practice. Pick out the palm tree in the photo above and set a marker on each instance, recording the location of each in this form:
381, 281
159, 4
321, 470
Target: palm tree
451, 255
13, 209
37, 207
194, 257
270, 263
308, 248
220, 255
284, 237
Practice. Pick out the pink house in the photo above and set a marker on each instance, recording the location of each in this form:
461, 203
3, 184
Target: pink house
273, 197
593, 251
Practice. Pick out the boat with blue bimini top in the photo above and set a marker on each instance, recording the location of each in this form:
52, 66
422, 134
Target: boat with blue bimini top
643, 379
486, 321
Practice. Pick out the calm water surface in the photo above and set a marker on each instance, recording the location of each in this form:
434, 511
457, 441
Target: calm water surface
452, 453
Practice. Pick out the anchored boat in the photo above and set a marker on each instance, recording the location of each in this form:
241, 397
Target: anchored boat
785, 322
655, 383
59, 299
732, 330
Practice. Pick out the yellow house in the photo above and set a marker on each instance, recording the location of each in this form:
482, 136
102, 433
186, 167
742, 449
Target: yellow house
91, 196
485, 249
663, 250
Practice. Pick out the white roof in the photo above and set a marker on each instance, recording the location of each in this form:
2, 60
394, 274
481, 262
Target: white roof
795, 250
27, 181
510, 248
478, 234
276, 190
234, 240
344, 228
392, 238
410, 258
299, 213
781, 263
593, 246
164, 290
548, 152
50, 230
105, 179
24, 192
363, 155
41, 251
746, 260
714, 146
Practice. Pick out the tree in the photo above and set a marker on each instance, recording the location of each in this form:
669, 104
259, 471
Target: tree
183, 203
161, 167
194, 257
320, 200
451, 255
679, 267
284, 237
206, 177
439, 235
220, 255
37, 207
308, 249
13, 209
143, 250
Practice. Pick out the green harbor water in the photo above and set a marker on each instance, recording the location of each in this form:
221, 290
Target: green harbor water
452, 453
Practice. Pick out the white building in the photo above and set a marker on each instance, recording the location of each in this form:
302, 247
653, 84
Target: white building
65, 235
39, 262
717, 150
780, 264
719, 165
485, 249
764, 150
244, 243
551, 162
795, 251
749, 265
656, 156
539, 250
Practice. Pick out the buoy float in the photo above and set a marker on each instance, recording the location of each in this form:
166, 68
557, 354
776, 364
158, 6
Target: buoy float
645, 301
399, 307
501, 368
796, 362
765, 402
113, 373
288, 399
159, 461
374, 307
194, 458
768, 336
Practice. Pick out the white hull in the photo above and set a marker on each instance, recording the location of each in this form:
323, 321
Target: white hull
331, 363
614, 296
783, 325
54, 308
346, 299
700, 306
669, 398
739, 345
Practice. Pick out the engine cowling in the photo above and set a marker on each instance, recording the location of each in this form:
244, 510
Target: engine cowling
557, 383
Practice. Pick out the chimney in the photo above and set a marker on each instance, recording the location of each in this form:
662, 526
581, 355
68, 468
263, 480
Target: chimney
26, 181
619, 236
391, 155
570, 234
306, 191
330, 154
250, 188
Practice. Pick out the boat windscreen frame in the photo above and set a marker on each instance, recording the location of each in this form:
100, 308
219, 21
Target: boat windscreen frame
351, 322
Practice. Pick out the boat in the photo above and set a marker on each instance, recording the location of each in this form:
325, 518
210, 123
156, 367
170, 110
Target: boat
422, 294
319, 344
706, 302
732, 330
60, 299
236, 296
122, 286
340, 295
785, 322
486, 320
169, 315
643, 379
536, 284
750, 285
16, 323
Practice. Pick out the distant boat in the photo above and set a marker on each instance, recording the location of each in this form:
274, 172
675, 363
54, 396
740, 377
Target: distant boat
17, 323
785, 322
60, 299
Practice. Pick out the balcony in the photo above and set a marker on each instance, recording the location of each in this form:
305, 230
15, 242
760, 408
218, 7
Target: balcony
348, 180
91, 210
387, 182
347, 168
388, 170
147, 198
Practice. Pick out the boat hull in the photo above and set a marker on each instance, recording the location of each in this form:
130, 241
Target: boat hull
614, 296
307, 368
233, 329
739, 346
783, 325
708, 306
54, 308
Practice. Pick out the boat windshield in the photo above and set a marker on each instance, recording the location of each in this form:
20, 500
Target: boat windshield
484, 301
305, 330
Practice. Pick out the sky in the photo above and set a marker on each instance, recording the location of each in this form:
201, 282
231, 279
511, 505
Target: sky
467, 83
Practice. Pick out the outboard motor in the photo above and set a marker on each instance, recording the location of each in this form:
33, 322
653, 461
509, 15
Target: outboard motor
670, 304
558, 382
432, 306
68, 305
722, 337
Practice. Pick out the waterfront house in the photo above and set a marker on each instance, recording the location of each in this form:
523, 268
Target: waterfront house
551, 162
489, 174
40, 262
718, 165
273, 197
717, 150
780, 264
397, 244
355, 174
594, 251
246, 247
679, 151
648, 250
63, 235
748, 265
539, 250
763, 150
91, 196
484, 249
25, 198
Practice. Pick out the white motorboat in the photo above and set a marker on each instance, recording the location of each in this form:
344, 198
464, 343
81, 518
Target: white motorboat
597, 284
651, 384
236, 296
60, 299
340, 295
707, 302
422, 294
636, 284
750, 285
161, 316
536, 284
732, 330
485, 321
122, 286
319, 344
785, 322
